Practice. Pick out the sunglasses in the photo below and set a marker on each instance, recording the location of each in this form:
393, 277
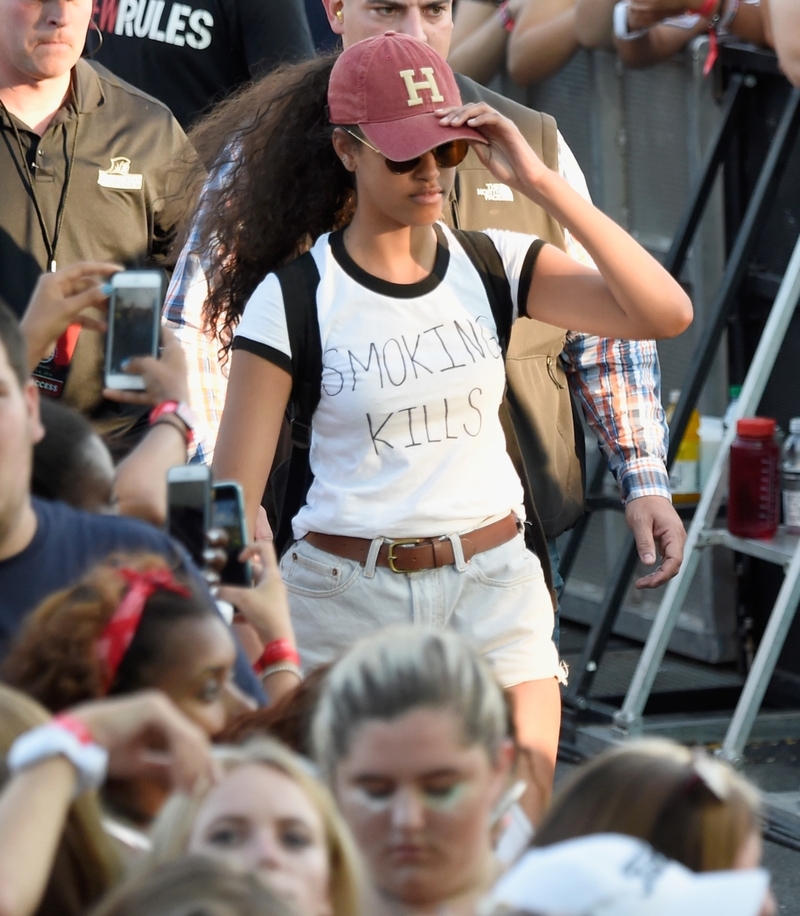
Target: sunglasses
446, 155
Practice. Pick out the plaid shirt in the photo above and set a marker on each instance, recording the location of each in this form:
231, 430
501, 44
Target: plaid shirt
617, 382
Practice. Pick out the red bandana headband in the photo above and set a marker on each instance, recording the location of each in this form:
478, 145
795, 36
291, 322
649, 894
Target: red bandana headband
114, 641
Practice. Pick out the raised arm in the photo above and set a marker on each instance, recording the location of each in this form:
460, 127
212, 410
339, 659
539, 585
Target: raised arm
258, 392
644, 34
141, 480
640, 49
630, 295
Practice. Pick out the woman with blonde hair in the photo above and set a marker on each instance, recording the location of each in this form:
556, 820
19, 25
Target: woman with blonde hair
269, 814
412, 733
55, 856
84, 865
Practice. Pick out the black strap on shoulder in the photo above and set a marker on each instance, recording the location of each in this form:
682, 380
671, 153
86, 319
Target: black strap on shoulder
299, 280
487, 261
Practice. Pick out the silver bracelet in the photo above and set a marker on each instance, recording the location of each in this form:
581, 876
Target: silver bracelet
282, 666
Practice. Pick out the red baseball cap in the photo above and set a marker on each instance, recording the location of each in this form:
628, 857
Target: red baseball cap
390, 86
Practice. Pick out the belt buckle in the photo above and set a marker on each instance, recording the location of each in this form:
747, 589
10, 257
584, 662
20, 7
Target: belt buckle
391, 556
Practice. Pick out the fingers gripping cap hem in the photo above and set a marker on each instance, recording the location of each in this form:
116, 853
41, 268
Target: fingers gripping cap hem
390, 85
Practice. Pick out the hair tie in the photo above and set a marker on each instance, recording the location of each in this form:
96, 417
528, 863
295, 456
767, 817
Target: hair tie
114, 641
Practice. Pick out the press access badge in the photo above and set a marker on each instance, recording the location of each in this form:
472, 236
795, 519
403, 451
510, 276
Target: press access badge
50, 375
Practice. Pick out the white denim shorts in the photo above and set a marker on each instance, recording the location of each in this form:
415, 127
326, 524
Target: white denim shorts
498, 601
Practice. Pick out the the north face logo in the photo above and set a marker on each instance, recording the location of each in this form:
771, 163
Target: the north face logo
496, 191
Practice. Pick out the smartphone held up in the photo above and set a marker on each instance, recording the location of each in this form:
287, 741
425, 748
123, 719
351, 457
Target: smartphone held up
227, 514
189, 507
195, 505
134, 320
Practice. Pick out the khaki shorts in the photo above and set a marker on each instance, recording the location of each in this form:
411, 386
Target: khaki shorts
498, 601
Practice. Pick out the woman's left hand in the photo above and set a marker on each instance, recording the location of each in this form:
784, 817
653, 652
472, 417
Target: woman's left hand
61, 298
505, 153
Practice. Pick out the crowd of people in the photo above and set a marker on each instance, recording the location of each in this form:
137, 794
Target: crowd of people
532, 40
390, 296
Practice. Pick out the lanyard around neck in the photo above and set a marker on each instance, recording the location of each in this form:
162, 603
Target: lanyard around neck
51, 245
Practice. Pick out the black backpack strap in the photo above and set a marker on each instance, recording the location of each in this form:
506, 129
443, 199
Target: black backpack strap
299, 280
487, 261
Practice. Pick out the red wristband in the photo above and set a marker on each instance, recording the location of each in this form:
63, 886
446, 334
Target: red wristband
279, 650
74, 726
182, 411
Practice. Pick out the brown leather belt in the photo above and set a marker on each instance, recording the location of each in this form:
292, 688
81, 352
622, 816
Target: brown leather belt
405, 555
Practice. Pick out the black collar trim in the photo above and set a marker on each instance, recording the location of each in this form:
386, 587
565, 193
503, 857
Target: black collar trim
385, 287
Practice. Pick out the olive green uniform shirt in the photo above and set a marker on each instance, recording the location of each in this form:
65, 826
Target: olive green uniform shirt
115, 205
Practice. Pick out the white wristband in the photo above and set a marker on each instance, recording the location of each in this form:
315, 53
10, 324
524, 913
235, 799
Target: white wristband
48, 741
621, 23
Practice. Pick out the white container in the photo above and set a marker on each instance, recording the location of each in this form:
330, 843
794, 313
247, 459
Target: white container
790, 477
711, 432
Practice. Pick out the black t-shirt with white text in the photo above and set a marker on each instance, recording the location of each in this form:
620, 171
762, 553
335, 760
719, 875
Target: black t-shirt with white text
190, 55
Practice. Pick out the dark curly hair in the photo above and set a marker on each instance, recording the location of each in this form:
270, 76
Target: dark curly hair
54, 659
282, 185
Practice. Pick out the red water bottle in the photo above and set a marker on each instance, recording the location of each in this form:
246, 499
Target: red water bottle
754, 489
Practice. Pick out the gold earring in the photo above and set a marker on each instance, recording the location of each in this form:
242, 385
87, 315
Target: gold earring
339, 15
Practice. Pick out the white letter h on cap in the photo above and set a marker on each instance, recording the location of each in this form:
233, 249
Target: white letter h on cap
428, 83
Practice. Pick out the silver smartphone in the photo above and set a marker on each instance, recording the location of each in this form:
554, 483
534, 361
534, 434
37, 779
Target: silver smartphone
189, 507
134, 319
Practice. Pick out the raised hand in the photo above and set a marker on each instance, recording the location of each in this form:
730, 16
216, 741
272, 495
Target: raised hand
164, 378
265, 607
506, 152
147, 736
62, 298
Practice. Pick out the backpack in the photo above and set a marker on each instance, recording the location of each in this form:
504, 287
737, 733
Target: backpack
299, 280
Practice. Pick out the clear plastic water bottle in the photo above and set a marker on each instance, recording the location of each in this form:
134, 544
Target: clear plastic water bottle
790, 477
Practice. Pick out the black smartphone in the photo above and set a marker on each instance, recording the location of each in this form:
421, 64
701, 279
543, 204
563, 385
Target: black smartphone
189, 507
227, 513
134, 320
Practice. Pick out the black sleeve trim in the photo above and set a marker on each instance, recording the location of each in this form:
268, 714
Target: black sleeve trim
270, 354
526, 277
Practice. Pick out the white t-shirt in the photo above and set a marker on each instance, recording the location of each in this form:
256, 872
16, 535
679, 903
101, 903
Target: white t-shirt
406, 438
